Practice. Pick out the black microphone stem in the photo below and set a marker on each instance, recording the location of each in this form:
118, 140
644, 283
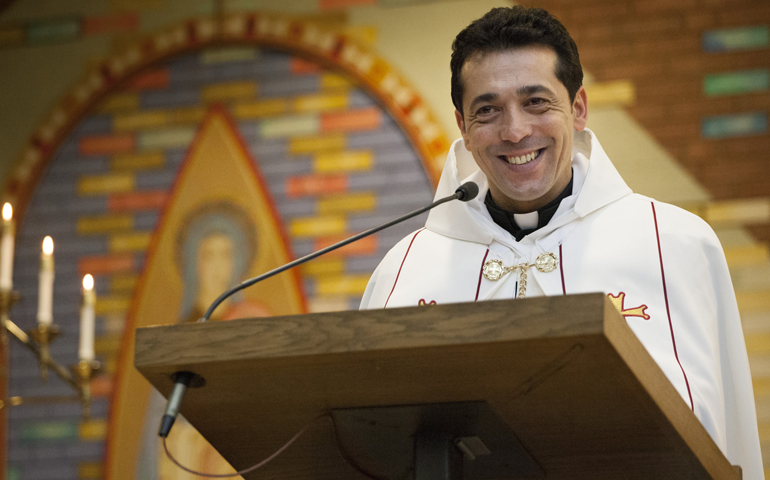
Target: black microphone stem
460, 194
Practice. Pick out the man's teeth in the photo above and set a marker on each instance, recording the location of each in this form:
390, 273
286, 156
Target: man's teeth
524, 158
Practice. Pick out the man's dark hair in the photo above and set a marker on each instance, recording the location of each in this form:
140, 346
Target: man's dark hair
507, 28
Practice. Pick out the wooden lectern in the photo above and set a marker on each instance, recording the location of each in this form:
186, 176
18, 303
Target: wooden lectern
566, 375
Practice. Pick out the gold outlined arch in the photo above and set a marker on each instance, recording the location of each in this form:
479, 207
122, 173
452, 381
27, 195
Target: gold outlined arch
301, 38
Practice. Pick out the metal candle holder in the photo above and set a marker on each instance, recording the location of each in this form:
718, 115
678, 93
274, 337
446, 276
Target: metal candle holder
38, 341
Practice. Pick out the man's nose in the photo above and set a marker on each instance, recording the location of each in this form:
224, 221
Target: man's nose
515, 126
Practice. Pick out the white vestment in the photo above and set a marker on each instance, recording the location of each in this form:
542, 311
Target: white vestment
664, 266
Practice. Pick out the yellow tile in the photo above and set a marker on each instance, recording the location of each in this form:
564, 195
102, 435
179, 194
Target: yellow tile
105, 184
112, 304
139, 120
349, 161
229, 91
130, 242
107, 344
764, 432
120, 101
353, 202
757, 343
753, 301
348, 284
263, 108
122, 282
753, 254
332, 81
139, 161
614, 93
761, 387
324, 266
111, 365
90, 470
365, 34
285, 126
320, 102
317, 143
95, 429
187, 115
104, 224
756, 210
318, 226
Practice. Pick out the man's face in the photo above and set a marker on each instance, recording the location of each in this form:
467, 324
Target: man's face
519, 124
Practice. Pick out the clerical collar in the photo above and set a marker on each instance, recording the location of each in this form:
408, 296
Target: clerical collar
508, 220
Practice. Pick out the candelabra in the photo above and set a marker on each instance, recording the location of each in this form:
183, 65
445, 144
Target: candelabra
38, 341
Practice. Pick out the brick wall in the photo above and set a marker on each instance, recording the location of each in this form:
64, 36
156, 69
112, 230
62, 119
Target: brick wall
658, 45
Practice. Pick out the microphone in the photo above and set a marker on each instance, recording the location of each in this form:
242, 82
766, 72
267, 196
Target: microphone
465, 192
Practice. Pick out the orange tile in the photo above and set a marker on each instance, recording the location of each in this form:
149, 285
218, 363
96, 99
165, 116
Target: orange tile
315, 185
351, 120
101, 386
107, 144
124, 22
137, 201
103, 264
334, 4
365, 246
299, 66
152, 80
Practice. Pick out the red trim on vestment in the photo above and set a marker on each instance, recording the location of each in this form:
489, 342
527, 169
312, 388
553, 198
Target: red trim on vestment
400, 267
668, 311
561, 271
481, 273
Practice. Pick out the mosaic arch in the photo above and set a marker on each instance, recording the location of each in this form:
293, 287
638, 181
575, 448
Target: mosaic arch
328, 139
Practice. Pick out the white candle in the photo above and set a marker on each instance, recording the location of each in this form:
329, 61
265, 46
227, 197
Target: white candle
6, 250
87, 320
45, 286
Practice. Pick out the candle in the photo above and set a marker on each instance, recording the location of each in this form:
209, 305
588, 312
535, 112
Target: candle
6, 250
87, 320
45, 289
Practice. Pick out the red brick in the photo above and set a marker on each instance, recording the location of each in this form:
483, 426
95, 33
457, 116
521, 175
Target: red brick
668, 45
631, 70
605, 53
760, 232
734, 16
654, 6
588, 13
653, 25
700, 20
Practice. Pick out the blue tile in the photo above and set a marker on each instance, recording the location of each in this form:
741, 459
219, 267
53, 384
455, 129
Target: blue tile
737, 125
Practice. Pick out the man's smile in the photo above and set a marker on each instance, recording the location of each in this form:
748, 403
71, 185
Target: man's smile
523, 158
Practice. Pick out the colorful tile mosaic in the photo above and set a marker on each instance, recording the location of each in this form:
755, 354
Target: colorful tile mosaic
333, 160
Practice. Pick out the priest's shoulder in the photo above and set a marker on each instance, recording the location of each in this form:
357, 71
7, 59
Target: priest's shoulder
672, 221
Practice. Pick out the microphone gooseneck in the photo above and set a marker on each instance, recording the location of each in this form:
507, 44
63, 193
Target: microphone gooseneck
464, 193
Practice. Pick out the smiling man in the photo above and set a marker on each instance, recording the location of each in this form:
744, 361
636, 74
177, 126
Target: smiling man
554, 217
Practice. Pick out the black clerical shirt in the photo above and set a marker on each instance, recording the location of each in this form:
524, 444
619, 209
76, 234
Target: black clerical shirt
505, 218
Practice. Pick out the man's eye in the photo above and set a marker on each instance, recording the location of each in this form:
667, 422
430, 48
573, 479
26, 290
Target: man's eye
536, 101
484, 110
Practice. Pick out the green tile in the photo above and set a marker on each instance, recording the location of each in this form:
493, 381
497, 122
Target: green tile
13, 473
733, 83
732, 39
53, 32
49, 431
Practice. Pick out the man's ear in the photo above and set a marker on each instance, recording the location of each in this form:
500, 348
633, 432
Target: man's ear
461, 126
580, 107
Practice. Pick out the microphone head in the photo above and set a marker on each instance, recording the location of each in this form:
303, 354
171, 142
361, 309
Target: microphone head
469, 190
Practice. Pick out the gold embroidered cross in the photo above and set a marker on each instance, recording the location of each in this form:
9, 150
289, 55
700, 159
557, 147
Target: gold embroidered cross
618, 301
